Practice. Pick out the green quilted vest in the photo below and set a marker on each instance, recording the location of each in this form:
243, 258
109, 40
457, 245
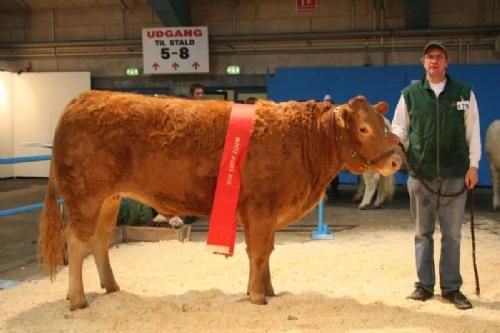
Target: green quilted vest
438, 148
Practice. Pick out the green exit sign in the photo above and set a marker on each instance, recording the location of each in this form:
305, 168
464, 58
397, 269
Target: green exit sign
233, 69
132, 71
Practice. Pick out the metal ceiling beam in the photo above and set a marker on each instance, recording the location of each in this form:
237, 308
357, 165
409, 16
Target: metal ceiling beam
23, 5
172, 13
124, 5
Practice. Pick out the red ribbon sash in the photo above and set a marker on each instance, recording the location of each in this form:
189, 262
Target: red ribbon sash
222, 228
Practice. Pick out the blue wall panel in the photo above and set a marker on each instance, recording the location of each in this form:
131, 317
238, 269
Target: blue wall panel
384, 84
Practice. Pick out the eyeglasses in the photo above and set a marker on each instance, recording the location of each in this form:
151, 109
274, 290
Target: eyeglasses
436, 57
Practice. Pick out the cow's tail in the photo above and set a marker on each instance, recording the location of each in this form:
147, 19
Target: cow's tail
51, 236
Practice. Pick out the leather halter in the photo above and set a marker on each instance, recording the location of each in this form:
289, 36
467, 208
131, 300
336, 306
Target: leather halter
353, 152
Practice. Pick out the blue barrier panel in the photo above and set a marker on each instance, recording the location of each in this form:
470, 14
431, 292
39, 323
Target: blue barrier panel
34, 158
24, 209
384, 83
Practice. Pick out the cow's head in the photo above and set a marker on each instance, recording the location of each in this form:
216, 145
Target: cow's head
362, 138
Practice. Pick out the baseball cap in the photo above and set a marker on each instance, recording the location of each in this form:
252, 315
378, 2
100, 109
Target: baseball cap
327, 97
436, 43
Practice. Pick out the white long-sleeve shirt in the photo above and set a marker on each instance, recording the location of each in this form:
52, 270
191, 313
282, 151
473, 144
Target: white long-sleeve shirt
401, 123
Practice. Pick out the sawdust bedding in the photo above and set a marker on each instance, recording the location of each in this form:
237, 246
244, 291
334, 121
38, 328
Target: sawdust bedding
355, 283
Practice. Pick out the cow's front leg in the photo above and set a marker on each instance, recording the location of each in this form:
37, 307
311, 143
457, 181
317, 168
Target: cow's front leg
370, 179
381, 192
360, 190
258, 238
495, 175
269, 290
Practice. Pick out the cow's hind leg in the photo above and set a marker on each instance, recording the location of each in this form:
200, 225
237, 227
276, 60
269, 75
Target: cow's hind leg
77, 249
100, 242
79, 234
258, 237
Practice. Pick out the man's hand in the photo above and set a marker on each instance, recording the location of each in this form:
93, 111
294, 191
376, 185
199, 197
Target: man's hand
393, 139
471, 177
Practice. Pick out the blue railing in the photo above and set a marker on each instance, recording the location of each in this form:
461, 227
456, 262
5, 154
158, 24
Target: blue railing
322, 231
27, 208
34, 158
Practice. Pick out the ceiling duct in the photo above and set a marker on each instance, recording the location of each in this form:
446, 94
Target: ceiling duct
172, 13
417, 14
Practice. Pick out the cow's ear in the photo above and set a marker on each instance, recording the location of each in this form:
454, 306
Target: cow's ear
341, 115
381, 107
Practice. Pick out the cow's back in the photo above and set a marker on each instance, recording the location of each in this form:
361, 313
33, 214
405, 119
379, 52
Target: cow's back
166, 151
110, 142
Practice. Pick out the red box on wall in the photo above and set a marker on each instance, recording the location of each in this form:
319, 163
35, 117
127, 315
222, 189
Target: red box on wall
304, 6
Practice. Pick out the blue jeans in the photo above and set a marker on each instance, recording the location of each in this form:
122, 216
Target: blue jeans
425, 207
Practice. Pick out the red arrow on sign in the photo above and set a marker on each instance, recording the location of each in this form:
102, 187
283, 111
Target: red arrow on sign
196, 65
155, 66
175, 65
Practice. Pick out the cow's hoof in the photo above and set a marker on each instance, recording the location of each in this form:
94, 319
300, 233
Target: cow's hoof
78, 305
259, 300
270, 293
364, 207
378, 206
111, 288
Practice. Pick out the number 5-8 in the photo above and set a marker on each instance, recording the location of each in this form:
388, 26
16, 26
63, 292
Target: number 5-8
183, 53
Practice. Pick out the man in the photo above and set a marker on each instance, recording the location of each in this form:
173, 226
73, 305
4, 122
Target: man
439, 116
197, 91
328, 99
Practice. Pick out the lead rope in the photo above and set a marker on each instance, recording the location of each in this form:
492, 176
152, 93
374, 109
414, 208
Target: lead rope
471, 209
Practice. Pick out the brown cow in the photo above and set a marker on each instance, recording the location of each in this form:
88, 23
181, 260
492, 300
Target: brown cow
165, 152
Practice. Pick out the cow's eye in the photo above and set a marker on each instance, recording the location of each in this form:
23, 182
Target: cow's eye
363, 130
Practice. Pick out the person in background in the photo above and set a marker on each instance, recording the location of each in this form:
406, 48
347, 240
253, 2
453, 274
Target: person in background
439, 116
197, 91
251, 100
333, 189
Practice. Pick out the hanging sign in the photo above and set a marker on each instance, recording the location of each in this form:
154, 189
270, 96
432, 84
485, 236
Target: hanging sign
175, 50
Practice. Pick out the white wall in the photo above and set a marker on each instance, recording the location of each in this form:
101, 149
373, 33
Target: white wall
6, 124
38, 100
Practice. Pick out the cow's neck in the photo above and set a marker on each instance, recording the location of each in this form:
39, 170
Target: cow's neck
321, 143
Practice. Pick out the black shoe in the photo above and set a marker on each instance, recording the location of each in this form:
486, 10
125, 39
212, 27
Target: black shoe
420, 294
456, 297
